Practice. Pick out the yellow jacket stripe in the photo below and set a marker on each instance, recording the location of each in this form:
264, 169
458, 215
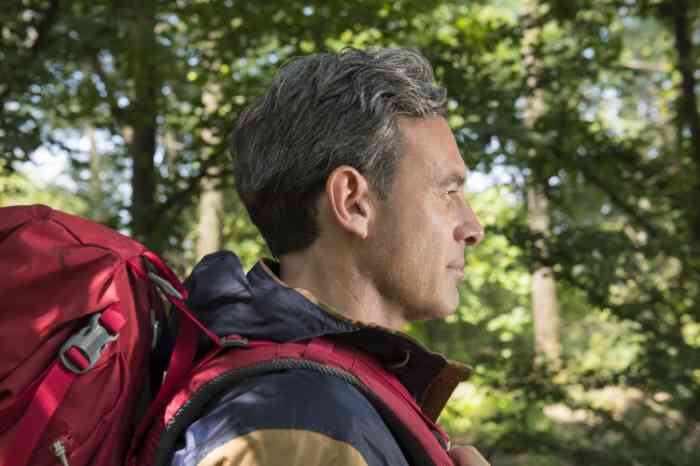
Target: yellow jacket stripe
284, 447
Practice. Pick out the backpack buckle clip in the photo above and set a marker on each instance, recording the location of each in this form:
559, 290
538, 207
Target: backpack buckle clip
81, 352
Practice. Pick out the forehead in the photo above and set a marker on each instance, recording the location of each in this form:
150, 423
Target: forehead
429, 149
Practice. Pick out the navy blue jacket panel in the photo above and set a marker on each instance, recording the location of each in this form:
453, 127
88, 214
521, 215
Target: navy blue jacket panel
297, 400
320, 418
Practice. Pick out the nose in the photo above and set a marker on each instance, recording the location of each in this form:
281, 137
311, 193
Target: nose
469, 231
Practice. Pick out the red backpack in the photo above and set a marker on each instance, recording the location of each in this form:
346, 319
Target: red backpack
79, 317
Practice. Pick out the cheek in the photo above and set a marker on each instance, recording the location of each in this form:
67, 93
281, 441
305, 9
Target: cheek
422, 273
413, 245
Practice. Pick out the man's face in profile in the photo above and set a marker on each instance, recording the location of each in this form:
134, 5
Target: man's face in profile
424, 225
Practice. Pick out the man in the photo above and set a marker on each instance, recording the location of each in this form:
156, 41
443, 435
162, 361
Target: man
350, 171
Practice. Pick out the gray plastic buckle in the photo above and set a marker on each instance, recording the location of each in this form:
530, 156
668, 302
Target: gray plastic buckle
91, 341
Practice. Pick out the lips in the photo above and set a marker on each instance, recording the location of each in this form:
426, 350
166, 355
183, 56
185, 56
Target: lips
458, 269
457, 265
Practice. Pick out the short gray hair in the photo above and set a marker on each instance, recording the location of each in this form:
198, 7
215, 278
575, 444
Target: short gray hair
320, 112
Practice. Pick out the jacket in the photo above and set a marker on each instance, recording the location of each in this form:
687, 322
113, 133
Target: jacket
299, 416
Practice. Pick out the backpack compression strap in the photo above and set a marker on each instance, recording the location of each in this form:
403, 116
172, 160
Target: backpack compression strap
79, 354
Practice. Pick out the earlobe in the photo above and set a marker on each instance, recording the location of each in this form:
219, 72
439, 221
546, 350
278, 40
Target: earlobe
348, 195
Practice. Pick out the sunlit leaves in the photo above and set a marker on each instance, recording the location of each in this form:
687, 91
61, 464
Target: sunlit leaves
608, 147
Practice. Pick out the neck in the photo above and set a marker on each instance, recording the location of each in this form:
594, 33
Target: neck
338, 282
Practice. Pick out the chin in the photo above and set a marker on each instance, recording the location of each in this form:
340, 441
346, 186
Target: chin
450, 307
446, 311
435, 308
438, 311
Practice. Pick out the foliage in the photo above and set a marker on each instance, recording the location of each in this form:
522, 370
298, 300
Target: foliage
17, 189
616, 144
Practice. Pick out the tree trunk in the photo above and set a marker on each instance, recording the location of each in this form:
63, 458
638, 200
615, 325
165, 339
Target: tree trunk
211, 207
142, 119
545, 314
689, 117
211, 202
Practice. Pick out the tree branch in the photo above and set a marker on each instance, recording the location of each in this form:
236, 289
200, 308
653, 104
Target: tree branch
97, 67
616, 199
639, 65
42, 28
178, 198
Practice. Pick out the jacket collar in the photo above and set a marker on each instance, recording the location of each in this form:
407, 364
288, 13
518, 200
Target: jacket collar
260, 306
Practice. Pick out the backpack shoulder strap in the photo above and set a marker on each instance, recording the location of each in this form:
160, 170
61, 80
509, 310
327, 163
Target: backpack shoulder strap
424, 441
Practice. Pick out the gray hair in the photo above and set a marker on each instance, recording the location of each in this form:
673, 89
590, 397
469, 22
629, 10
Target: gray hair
320, 112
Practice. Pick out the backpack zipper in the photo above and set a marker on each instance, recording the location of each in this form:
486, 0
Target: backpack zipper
60, 451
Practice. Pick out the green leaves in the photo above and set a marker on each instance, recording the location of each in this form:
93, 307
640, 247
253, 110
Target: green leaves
611, 147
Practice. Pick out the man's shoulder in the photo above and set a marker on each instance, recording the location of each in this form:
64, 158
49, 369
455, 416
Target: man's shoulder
298, 402
298, 398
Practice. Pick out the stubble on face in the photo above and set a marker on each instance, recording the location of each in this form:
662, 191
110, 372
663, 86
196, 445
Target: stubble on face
403, 279
413, 243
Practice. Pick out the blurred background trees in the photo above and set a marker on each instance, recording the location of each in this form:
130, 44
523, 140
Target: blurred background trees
579, 120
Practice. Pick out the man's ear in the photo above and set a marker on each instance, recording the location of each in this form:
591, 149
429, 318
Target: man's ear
350, 200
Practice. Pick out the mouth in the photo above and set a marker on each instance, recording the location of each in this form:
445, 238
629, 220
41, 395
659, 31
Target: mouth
458, 269
456, 265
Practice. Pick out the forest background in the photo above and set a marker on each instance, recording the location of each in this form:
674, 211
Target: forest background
579, 120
